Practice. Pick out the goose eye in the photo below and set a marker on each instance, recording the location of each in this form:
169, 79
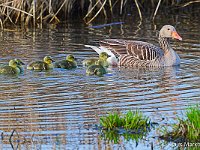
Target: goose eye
168, 29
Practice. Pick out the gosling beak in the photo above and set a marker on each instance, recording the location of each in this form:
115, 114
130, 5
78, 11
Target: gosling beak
21, 63
176, 36
52, 60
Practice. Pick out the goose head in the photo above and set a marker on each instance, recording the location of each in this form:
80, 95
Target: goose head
168, 31
48, 59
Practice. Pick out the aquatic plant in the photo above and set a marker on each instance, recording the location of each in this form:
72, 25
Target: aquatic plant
129, 121
186, 130
131, 126
135, 120
113, 120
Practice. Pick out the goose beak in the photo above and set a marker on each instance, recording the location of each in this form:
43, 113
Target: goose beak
176, 36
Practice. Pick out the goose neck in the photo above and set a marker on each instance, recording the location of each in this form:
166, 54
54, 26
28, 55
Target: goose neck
164, 44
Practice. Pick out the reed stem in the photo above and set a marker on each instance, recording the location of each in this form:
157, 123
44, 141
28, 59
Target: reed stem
157, 7
138, 8
33, 12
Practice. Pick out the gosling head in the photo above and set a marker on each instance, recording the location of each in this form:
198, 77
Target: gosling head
19, 62
168, 31
70, 58
103, 56
48, 59
13, 63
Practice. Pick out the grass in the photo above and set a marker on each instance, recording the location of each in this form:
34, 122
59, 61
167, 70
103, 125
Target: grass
113, 120
132, 120
135, 120
186, 130
132, 125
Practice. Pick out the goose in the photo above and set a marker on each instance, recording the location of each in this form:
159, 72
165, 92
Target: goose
46, 64
68, 63
12, 68
138, 53
103, 56
96, 69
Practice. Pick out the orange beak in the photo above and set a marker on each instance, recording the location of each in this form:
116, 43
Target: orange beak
176, 36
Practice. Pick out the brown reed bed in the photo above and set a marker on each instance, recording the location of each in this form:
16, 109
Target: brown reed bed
35, 13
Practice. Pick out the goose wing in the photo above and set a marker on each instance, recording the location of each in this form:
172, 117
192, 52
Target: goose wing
136, 49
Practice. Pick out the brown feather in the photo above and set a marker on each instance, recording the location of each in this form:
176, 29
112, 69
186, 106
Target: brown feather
137, 49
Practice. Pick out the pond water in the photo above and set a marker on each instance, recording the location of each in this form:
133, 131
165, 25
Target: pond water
59, 109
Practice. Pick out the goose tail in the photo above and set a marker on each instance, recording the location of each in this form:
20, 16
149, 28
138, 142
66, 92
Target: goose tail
112, 60
98, 50
101, 49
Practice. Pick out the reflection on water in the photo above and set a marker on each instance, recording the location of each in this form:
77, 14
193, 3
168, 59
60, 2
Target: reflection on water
58, 109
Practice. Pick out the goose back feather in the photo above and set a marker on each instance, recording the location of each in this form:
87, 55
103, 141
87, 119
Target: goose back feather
133, 53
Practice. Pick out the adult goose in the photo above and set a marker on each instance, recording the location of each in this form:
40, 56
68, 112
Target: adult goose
137, 53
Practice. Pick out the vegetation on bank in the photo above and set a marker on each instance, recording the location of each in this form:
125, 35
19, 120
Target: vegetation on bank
35, 13
186, 130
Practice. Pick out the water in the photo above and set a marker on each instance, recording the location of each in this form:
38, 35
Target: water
58, 109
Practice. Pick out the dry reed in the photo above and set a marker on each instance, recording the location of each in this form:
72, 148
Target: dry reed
37, 12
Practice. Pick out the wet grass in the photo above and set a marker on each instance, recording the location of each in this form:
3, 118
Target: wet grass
186, 130
135, 120
113, 120
132, 120
134, 125
130, 126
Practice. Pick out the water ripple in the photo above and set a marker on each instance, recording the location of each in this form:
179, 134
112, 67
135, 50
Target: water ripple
59, 108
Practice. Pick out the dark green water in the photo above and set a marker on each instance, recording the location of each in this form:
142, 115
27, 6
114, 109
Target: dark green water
58, 109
